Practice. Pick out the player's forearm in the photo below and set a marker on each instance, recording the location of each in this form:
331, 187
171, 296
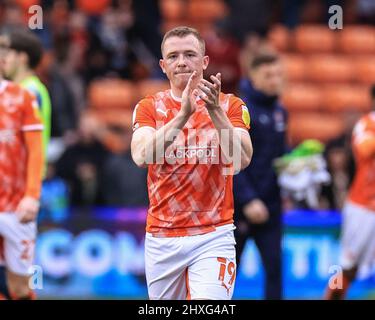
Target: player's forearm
233, 144
161, 139
246, 148
35, 163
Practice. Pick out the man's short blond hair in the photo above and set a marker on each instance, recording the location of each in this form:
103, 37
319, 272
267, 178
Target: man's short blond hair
182, 32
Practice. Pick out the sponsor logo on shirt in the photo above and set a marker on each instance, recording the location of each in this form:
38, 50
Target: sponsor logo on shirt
201, 154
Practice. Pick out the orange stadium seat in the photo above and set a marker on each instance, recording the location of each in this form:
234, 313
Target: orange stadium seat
330, 68
147, 87
92, 7
314, 38
202, 26
301, 96
347, 97
295, 67
115, 124
207, 10
170, 24
121, 118
172, 9
315, 125
112, 94
365, 69
26, 4
279, 37
357, 39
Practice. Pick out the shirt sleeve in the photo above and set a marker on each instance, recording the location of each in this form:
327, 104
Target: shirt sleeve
238, 113
363, 139
35, 163
31, 120
37, 95
144, 114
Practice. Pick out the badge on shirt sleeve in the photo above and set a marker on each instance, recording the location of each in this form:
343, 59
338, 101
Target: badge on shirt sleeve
35, 106
245, 115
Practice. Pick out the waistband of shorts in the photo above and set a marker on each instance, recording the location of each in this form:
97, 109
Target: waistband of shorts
228, 227
358, 206
224, 227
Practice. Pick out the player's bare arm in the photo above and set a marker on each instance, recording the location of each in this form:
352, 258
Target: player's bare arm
238, 139
145, 142
28, 207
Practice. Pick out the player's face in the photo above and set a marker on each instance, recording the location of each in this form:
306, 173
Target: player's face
269, 78
11, 63
182, 56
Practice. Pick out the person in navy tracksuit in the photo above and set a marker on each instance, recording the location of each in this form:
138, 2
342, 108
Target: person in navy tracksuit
256, 192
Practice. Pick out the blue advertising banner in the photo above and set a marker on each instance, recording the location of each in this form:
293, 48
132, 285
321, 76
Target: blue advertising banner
99, 253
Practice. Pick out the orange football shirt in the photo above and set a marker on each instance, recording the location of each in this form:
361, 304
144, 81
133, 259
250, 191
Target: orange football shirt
188, 192
362, 190
18, 113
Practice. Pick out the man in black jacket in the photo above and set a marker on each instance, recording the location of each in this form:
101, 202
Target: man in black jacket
256, 192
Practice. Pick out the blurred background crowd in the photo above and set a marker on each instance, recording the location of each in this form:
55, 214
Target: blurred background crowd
102, 56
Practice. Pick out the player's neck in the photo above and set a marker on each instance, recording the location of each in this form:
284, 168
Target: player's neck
176, 94
22, 75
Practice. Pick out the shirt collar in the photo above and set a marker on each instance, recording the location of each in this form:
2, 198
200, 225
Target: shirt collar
178, 99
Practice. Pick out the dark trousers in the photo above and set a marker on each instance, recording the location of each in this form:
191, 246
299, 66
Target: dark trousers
267, 238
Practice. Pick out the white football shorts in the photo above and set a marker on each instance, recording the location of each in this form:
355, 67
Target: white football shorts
191, 267
357, 238
17, 243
